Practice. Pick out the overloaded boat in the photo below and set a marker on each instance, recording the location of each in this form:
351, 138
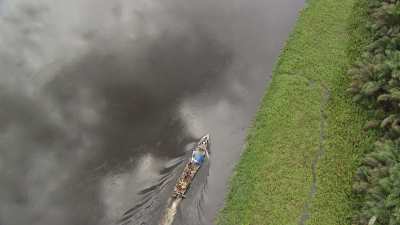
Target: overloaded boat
199, 154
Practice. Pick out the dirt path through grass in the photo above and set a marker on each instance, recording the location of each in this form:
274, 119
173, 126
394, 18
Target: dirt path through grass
305, 142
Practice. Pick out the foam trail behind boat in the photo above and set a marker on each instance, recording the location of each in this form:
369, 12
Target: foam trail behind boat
170, 211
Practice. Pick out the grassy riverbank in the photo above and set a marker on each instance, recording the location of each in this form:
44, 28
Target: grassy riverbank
305, 143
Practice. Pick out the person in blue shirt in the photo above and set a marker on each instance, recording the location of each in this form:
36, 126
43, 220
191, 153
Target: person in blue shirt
200, 153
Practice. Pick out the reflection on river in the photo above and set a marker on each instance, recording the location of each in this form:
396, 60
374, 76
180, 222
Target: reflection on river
101, 102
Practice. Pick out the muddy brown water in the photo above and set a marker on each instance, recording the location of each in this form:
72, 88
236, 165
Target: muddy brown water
101, 102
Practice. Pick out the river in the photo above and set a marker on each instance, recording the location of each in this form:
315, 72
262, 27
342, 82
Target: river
102, 101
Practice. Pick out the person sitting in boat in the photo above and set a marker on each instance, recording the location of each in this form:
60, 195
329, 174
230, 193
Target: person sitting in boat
199, 154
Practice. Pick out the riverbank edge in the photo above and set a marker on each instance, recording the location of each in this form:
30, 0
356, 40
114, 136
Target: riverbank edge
306, 140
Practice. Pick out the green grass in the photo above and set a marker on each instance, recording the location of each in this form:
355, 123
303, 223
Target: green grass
305, 117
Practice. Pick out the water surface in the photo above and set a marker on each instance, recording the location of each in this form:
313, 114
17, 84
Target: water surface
101, 102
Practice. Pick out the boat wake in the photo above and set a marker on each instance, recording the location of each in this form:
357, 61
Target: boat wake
155, 205
170, 212
149, 204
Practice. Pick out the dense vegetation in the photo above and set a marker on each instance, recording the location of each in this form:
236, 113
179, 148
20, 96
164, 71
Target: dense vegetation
378, 181
376, 86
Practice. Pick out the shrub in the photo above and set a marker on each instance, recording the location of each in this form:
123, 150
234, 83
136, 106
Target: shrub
376, 75
377, 182
376, 86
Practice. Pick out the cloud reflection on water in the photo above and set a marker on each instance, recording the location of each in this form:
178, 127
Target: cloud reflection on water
92, 92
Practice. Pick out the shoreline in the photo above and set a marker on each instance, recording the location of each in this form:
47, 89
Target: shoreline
305, 142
